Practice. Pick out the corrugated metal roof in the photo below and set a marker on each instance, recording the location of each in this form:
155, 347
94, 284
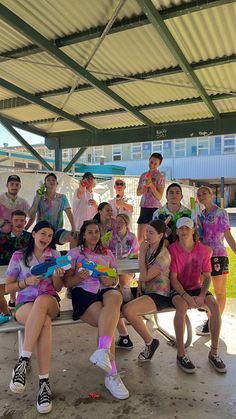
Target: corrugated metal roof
178, 113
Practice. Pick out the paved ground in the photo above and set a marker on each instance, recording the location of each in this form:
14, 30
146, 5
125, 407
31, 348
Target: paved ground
157, 389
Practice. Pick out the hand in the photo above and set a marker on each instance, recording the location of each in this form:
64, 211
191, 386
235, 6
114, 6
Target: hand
92, 203
83, 274
144, 246
190, 301
106, 281
33, 280
59, 272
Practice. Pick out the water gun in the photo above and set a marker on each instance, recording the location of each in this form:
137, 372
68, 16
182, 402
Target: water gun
84, 183
148, 178
41, 190
47, 269
196, 216
96, 270
133, 256
107, 236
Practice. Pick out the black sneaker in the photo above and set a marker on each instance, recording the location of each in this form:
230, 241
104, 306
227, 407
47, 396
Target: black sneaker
149, 350
124, 342
44, 402
17, 384
203, 330
185, 364
217, 363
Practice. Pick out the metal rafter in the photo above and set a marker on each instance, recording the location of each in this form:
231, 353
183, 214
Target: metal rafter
120, 26
21, 26
23, 142
158, 23
75, 158
15, 102
22, 125
34, 99
181, 129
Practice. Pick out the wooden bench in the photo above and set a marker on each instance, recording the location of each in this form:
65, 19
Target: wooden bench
66, 319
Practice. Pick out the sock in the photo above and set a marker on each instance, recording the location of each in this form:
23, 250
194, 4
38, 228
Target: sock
113, 369
104, 342
148, 343
43, 376
26, 354
124, 336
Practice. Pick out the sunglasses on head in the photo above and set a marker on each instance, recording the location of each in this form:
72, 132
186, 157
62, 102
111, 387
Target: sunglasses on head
119, 183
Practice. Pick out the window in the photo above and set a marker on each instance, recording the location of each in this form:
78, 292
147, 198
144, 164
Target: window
218, 145
157, 147
203, 146
137, 151
193, 150
33, 166
167, 148
97, 153
116, 152
180, 149
229, 143
65, 154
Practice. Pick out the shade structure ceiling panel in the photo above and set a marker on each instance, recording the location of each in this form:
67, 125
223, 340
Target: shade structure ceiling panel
155, 90
39, 72
58, 126
178, 113
206, 34
22, 113
11, 39
218, 79
133, 51
119, 120
5, 94
227, 105
83, 102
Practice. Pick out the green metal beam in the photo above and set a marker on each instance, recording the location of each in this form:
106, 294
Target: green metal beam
23, 142
15, 102
158, 23
34, 99
75, 158
58, 157
149, 106
23, 126
182, 129
120, 26
21, 26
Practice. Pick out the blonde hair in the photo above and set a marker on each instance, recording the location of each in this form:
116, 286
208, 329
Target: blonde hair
207, 188
125, 217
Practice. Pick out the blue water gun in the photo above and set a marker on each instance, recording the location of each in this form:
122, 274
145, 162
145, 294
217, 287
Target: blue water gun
47, 269
96, 270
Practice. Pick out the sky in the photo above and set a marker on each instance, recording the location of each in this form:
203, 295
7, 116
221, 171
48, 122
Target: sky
6, 137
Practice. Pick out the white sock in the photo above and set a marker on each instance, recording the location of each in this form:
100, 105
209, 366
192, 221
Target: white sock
26, 354
43, 376
149, 343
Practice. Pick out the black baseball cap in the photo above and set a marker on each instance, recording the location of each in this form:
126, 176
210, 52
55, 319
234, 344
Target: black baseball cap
13, 178
87, 175
50, 174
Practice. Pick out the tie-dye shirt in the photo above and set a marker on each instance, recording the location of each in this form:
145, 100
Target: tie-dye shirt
91, 283
18, 269
163, 213
215, 223
51, 210
160, 284
7, 206
148, 200
122, 248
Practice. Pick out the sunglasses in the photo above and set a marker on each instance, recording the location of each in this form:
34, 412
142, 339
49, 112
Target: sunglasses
119, 184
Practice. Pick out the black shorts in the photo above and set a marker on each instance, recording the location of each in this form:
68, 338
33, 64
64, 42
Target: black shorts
161, 301
219, 265
146, 215
81, 300
193, 293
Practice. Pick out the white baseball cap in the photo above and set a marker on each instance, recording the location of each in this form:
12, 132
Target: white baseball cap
184, 221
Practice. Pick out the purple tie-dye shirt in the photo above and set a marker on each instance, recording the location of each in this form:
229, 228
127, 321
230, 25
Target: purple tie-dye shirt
18, 269
215, 223
122, 248
91, 284
148, 200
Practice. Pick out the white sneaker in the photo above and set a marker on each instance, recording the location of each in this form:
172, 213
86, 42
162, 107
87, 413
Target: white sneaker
101, 358
115, 385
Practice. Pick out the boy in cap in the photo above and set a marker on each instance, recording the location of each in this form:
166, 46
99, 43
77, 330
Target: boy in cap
50, 205
10, 201
85, 201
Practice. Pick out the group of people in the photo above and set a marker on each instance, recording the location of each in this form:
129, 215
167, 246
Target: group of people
175, 270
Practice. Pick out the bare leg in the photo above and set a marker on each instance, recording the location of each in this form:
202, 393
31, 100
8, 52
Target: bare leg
215, 322
141, 232
121, 327
219, 283
134, 309
179, 323
3, 303
44, 347
110, 313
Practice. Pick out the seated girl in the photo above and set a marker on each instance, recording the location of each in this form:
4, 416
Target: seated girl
105, 221
37, 304
154, 284
96, 302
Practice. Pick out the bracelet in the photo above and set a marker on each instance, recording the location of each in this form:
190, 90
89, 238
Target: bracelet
26, 285
18, 283
183, 294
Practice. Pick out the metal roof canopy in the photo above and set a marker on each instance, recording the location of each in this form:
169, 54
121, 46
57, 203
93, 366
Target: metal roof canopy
207, 107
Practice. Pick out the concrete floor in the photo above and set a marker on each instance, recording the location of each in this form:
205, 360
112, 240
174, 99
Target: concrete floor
157, 389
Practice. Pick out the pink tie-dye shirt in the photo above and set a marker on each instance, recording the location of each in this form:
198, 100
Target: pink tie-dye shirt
91, 284
18, 269
122, 248
148, 200
215, 223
